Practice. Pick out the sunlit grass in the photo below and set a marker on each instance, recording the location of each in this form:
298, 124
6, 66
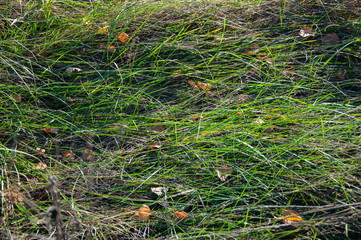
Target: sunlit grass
279, 115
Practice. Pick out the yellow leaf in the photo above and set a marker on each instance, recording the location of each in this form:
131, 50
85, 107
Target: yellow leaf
103, 30
144, 213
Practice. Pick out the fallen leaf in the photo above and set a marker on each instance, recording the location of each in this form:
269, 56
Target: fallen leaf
40, 150
262, 57
342, 76
16, 98
224, 172
157, 128
103, 30
69, 155
159, 190
111, 48
88, 155
72, 69
180, 215
203, 86
289, 217
306, 32
41, 166
51, 130
192, 84
155, 146
330, 39
196, 117
288, 71
254, 47
176, 72
123, 37
144, 213
249, 53
185, 139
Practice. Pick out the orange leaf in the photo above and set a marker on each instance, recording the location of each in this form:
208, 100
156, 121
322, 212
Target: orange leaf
204, 86
69, 155
290, 216
261, 58
111, 48
196, 117
185, 139
50, 130
123, 37
249, 52
192, 84
254, 47
155, 146
180, 215
144, 213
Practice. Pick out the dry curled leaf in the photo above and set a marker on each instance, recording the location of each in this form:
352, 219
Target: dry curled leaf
224, 172
180, 215
144, 213
103, 30
41, 166
68, 155
73, 69
307, 32
111, 49
159, 190
40, 150
157, 128
123, 37
290, 217
330, 39
51, 130
88, 155
157, 146
342, 76
203, 86
192, 84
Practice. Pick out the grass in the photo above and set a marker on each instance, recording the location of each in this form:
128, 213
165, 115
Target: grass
279, 114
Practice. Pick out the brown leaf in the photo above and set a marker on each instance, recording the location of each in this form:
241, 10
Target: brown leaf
330, 39
144, 213
68, 155
51, 130
157, 128
224, 172
342, 76
88, 155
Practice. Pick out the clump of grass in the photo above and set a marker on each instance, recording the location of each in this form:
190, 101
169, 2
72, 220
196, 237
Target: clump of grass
197, 87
